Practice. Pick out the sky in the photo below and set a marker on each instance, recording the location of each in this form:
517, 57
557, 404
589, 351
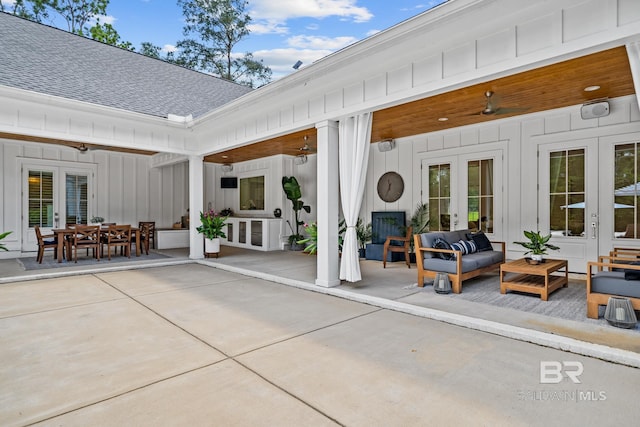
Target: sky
282, 31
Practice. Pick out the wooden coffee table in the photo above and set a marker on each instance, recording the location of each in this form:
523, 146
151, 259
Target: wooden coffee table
534, 279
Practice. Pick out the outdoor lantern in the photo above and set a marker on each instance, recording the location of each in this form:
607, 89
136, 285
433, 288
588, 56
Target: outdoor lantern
620, 313
442, 284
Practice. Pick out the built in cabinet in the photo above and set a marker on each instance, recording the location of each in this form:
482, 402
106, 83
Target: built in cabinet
263, 234
168, 238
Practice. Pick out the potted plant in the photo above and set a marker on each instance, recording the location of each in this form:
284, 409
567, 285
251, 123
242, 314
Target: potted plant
419, 222
2, 236
292, 190
311, 242
97, 220
363, 232
537, 245
212, 229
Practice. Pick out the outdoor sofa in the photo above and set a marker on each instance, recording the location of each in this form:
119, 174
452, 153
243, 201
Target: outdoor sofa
615, 275
458, 261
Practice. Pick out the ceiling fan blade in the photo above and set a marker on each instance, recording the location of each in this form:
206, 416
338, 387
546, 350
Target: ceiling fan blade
512, 110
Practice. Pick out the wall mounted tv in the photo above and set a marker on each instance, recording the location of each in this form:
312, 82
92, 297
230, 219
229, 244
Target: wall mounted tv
229, 182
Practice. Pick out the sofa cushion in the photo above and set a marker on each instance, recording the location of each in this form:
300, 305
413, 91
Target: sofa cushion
457, 246
613, 283
486, 258
465, 246
440, 243
449, 266
481, 240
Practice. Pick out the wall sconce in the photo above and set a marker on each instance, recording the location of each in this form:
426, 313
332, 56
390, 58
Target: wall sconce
300, 159
386, 145
227, 167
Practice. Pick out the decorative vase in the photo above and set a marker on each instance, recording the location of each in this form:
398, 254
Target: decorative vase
212, 246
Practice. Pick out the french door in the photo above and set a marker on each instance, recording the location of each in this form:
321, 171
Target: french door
568, 200
464, 191
54, 195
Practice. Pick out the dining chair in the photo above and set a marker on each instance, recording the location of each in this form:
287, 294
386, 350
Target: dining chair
46, 241
147, 234
86, 236
118, 236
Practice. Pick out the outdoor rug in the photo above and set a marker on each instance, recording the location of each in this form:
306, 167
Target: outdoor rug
565, 303
48, 262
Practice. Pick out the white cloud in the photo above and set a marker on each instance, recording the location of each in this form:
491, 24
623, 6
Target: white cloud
320, 42
268, 14
268, 27
372, 32
168, 48
105, 19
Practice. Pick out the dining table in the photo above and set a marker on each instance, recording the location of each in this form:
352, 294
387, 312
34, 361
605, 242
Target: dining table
62, 233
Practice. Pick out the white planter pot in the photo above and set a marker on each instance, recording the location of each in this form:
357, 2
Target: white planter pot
536, 257
212, 246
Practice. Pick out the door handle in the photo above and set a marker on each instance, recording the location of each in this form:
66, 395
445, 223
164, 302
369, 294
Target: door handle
593, 230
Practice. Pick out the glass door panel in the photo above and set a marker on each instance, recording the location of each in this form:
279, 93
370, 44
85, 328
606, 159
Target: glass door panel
567, 213
626, 191
76, 201
440, 197
480, 195
40, 198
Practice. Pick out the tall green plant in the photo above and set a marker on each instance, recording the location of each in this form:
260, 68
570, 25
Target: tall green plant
293, 192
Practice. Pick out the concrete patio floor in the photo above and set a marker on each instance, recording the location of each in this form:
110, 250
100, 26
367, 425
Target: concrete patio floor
188, 344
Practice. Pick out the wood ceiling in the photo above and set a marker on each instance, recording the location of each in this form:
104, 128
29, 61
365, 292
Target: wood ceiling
74, 144
553, 86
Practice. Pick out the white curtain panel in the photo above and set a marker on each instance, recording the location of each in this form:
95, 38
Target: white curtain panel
354, 144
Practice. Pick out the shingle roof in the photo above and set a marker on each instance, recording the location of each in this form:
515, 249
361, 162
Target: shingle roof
44, 59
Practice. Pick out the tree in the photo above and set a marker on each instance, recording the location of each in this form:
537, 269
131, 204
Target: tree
35, 10
78, 14
105, 33
153, 51
219, 26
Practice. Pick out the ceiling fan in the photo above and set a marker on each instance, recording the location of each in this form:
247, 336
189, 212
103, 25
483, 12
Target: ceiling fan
306, 149
491, 107
83, 148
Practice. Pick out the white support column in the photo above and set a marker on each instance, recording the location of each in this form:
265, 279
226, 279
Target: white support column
196, 204
328, 262
633, 52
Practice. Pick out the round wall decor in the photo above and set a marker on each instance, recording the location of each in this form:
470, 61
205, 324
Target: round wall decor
390, 186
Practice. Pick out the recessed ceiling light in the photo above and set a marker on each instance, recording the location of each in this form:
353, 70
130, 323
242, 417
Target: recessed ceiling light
224, 156
443, 119
591, 88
